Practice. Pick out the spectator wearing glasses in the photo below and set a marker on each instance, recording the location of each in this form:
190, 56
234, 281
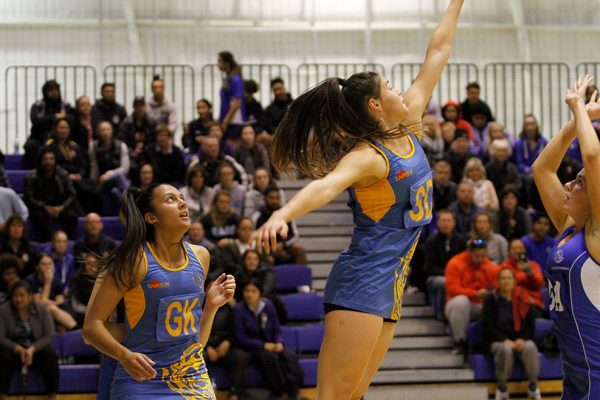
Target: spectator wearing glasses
470, 277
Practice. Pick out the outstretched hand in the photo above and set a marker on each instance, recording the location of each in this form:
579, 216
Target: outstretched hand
221, 291
266, 236
577, 92
593, 106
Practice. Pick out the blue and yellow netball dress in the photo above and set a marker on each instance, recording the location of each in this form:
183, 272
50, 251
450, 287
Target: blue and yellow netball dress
163, 322
371, 274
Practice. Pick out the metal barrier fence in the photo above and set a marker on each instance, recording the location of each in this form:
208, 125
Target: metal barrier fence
308, 75
451, 85
212, 79
515, 89
136, 80
23, 87
590, 67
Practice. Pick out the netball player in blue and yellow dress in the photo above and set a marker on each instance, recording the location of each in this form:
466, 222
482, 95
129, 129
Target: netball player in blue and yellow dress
161, 279
573, 266
362, 135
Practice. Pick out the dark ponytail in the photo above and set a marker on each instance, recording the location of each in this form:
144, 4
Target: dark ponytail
326, 122
122, 262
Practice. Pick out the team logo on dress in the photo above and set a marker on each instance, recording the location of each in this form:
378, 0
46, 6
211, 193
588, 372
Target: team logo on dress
558, 257
155, 284
403, 174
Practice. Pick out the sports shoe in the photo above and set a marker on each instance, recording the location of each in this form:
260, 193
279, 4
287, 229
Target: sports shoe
534, 394
502, 395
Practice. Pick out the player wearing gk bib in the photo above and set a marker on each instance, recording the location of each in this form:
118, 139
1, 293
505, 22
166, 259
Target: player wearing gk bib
361, 135
573, 272
388, 216
162, 284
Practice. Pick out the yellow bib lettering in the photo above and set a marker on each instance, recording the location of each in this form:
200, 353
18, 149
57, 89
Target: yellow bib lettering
176, 319
180, 319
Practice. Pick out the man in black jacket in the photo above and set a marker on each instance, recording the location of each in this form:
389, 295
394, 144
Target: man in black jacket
107, 109
440, 248
51, 197
276, 110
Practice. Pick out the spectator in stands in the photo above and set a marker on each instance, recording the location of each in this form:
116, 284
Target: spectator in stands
530, 144
48, 290
3, 177
276, 110
197, 194
10, 269
448, 133
160, 110
568, 169
444, 190
109, 166
14, 241
433, 144
137, 130
255, 196
539, 243
508, 326
212, 157
233, 107
93, 240
251, 154
26, 331
528, 274
107, 109
43, 114
252, 268
499, 169
451, 112
196, 235
221, 349
480, 123
497, 246
82, 128
464, 207
258, 331
458, 154
439, 249
11, 203
64, 262
51, 198
166, 157
80, 289
290, 250
144, 176
254, 110
498, 131
196, 130
470, 277
221, 222
512, 221
233, 249
215, 130
485, 193
434, 109
227, 183
472, 101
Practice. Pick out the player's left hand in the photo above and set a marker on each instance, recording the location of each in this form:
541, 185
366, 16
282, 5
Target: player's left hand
577, 92
221, 291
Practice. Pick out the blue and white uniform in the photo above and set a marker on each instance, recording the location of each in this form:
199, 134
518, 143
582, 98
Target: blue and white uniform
574, 289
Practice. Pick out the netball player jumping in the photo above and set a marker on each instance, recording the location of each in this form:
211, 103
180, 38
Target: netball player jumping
362, 135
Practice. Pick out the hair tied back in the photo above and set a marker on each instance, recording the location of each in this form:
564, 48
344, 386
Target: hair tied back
342, 82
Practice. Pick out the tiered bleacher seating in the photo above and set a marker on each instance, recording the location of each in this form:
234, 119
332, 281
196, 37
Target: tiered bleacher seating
16, 177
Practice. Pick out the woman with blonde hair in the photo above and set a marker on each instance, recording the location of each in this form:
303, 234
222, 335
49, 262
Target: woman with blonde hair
485, 193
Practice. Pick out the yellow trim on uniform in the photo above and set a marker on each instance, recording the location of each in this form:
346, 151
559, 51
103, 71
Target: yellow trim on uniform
185, 264
401, 275
135, 300
409, 155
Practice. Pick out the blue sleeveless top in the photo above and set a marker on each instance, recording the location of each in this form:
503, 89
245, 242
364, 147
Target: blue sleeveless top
574, 290
371, 274
163, 322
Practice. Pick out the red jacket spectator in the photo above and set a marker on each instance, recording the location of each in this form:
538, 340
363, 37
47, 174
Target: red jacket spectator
452, 112
527, 272
463, 277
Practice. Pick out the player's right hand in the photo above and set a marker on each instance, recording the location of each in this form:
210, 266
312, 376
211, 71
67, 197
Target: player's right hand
266, 236
138, 365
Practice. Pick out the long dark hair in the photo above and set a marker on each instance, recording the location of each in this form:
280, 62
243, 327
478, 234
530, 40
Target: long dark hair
326, 122
121, 263
234, 68
523, 134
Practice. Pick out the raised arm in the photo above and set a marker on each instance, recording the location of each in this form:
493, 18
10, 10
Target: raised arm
358, 165
438, 53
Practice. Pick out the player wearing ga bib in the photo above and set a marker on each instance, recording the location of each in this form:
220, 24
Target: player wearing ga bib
574, 290
371, 274
163, 322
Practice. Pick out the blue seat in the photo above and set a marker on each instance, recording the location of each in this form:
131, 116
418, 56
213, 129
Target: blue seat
290, 337
13, 161
303, 306
112, 227
17, 179
79, 378
310, 337
290, 276
73, 345
309, 365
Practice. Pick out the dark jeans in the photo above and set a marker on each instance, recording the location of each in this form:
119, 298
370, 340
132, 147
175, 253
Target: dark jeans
281, 371
236, 360
45, 361
45, 224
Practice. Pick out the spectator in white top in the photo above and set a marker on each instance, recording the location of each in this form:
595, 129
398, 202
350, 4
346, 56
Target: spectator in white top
227, 183
485, 193
11, 203
161, 110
